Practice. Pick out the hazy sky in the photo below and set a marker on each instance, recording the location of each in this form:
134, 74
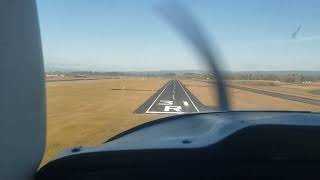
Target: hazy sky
112, 35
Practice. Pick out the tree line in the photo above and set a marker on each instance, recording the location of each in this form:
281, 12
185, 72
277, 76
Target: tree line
290, 78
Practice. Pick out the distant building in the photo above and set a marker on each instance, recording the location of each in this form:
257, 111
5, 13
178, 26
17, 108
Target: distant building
54, 75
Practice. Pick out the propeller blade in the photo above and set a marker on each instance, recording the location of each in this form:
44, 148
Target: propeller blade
182, 20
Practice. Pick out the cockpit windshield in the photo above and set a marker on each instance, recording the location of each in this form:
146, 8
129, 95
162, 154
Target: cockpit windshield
112, 65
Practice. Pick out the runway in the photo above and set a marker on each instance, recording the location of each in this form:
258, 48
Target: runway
172, 98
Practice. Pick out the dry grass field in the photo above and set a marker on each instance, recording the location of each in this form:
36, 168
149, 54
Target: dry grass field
303, 90
89, 112
244, 100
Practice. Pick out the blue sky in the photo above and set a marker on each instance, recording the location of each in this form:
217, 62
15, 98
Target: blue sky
118, 35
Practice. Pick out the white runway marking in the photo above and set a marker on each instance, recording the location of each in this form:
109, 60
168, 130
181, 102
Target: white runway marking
174, 87
165, 103
162, 112
175, 108
157, 97
185, 103
189, 97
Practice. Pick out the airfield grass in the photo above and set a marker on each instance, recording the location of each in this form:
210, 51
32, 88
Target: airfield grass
244, 100
303, 90
85, 113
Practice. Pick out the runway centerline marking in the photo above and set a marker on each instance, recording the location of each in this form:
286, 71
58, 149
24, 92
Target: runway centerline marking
189, 97
174, 87
157, 97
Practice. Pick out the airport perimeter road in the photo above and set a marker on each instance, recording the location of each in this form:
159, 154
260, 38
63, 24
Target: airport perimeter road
174, 98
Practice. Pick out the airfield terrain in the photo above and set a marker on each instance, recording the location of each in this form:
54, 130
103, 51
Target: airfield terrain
88, 112
260, 95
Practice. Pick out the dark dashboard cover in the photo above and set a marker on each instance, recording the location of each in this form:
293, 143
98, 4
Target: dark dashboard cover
207, 145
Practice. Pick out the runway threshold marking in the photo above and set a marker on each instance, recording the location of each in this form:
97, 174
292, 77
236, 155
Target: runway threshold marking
189, 97
164, 112
157, 98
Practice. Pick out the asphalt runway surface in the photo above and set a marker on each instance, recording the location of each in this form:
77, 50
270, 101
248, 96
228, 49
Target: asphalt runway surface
172, 98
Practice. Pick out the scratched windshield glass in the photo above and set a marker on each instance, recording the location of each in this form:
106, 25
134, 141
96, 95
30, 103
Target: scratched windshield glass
112, 65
